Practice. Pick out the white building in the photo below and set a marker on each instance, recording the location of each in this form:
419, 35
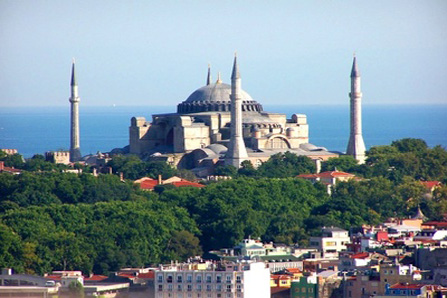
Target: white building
245, 279
332, 241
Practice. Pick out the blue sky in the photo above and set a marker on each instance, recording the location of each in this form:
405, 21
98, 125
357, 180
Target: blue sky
147, 53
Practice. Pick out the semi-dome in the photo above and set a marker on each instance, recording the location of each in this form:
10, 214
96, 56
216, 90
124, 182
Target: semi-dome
215, 97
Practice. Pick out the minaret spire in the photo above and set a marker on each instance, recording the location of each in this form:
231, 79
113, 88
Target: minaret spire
237, 152
356, 145
73, 73
75, 150
208, 78
235, 74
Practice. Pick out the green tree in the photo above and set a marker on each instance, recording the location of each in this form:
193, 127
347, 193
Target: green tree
410, 145
346, 163
282, 165
182, 245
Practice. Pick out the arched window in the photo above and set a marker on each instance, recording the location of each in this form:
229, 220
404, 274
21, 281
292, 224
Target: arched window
277, 143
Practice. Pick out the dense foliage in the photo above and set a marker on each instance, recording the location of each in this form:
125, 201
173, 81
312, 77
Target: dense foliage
53, 221
99, 237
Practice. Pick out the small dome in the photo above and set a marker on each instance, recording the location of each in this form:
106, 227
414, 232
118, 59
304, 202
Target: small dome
217, 148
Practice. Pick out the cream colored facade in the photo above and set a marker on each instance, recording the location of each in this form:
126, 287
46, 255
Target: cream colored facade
332, 241
247, 279
203, 123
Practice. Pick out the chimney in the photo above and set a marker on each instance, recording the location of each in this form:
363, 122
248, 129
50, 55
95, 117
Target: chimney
121, 176
2, 165
160, 181
95, 172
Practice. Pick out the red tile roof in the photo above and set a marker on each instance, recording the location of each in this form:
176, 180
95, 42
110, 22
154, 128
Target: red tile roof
334, 174
279, 277
430, 184
54, 276
149, 275
95, 277
329, 174
127, 275
436, 224
307, 176
149, 183
184, 183
360, 255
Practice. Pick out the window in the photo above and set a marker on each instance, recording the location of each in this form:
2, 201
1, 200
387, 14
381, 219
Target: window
208, 288
170, 288
228, 288
228, 279
238, 279
303, 290
239, 289
208, 278
199, 287
169, 279
199, 278
179, 287
179, 278
219, 288
218, 279
160, 278
189, 278
189, 288
310, 290
160, 288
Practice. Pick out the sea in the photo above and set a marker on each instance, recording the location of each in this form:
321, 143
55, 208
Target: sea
36, 130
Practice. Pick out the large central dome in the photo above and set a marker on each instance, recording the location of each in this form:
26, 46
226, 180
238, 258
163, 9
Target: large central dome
215, 92
215, 97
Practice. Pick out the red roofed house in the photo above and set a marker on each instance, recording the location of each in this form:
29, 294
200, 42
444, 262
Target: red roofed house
11, 170
329, 178
280, 285
354, 261
147, 183
431, 185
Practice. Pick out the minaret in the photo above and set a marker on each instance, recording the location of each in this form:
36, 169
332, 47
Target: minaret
356, 145
75, 150
237, 152
208, 78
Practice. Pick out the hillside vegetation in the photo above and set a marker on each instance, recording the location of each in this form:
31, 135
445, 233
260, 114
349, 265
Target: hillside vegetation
51, 220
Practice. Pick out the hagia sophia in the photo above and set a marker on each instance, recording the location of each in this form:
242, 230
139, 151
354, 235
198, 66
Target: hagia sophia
221, 124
